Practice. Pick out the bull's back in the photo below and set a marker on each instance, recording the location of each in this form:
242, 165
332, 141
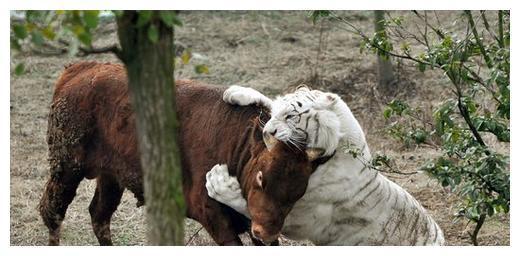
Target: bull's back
211, 131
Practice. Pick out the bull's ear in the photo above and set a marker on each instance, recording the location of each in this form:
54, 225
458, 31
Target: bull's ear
314, 153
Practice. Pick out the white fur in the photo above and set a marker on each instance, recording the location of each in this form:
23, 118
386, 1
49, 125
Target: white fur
315, 117
243, 96
335, 210
218, 182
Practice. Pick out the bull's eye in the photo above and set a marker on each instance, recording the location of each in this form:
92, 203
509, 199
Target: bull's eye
259, 179
289, 117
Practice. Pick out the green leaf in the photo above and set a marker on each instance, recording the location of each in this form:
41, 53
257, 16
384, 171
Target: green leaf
48, 33
34, 16
316, 15
420, 136
20, 31
421, 66
201, 69
144, 18
15, 44
186, 56
85, 38
387, 112
78, 30
19, 69
169, 18
37, 38
91, 19
153, 33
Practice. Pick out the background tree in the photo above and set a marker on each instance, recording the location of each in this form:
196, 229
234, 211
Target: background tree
385, 72
146, 48
466, 132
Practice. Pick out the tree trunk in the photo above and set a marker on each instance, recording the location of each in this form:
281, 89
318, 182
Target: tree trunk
385, 73
150, 69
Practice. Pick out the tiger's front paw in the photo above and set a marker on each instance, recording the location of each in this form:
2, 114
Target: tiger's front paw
243, 96
225, 189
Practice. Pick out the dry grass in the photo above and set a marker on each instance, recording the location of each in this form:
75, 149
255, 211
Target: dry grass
271, 51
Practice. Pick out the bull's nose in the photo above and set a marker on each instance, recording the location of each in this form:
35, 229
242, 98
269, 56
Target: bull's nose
260, 233
257, 232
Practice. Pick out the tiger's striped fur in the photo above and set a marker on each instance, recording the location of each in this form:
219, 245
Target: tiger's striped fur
346, 202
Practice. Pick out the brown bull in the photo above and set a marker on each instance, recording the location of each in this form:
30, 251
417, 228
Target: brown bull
91, 134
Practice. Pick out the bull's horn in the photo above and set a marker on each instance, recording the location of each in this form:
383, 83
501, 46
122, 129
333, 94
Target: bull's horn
314, 153
269, 140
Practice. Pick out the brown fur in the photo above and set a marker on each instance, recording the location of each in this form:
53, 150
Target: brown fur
91, 134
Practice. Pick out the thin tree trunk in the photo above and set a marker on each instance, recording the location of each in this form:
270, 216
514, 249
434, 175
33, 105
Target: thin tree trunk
384, 65
474, 234
150, 77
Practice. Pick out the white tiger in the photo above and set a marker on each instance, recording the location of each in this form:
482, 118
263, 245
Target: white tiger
346, 202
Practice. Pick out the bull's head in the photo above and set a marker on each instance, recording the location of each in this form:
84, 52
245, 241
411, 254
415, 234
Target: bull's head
276, 179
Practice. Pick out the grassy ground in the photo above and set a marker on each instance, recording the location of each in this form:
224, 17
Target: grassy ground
271, 51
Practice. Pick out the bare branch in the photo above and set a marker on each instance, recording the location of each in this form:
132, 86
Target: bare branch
501, 28
486, 25
489, 63
436, 30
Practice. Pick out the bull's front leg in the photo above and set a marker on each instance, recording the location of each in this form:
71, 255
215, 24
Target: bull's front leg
243, 96
226, 189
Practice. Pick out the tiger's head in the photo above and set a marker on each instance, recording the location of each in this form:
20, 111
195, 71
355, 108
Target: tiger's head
304, 118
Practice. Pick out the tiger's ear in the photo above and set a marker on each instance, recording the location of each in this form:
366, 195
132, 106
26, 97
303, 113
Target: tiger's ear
326, 100
302, 87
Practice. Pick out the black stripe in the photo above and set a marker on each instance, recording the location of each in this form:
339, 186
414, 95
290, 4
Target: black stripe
436, 232
295, 109
389, 192
370, 193
401, 217
425, 229
377, 202
415, 230
309, 97
307, 124
317, 129
366, 184
413, 223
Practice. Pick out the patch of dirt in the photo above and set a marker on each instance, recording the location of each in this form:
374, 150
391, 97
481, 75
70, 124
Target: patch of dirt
272, 51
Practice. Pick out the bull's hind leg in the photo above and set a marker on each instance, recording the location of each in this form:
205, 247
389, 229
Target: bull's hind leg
106, 199
59, 193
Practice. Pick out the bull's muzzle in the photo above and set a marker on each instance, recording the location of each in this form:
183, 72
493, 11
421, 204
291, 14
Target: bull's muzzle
261, 234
